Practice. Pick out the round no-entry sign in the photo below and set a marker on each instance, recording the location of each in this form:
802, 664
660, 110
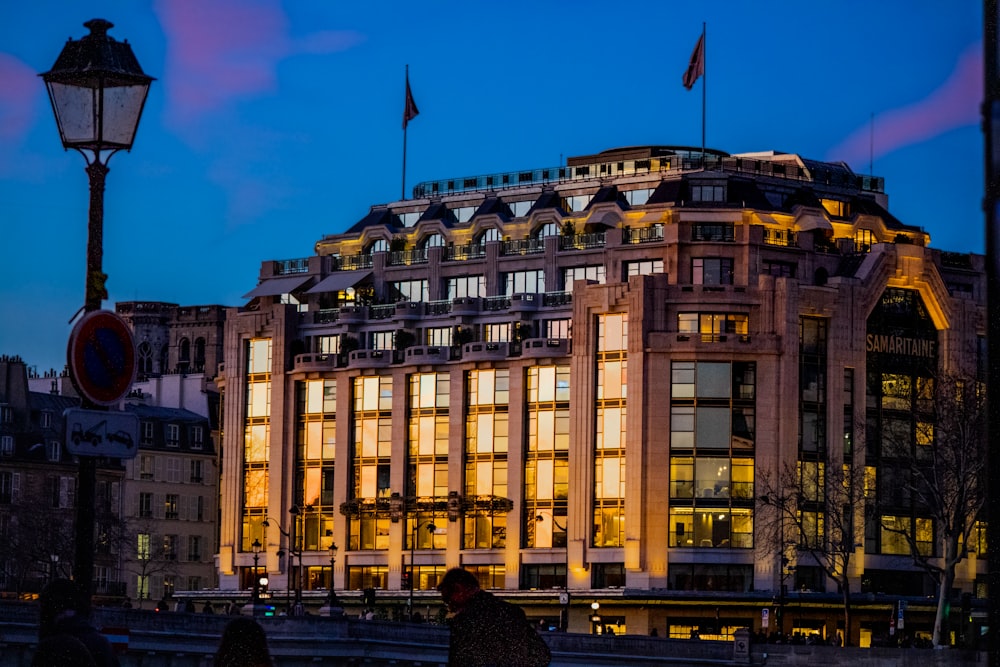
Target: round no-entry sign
101, 355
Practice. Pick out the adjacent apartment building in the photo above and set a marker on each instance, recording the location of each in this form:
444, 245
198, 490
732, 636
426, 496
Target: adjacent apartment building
602, 383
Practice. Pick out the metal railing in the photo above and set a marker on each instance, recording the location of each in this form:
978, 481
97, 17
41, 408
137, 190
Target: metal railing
286, 267
459, 253
643, 234
582, 241
522, 247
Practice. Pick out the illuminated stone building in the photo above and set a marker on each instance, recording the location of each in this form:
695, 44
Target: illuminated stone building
582, 377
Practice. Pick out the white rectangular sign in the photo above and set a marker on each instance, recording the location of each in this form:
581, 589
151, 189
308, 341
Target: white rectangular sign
111, 433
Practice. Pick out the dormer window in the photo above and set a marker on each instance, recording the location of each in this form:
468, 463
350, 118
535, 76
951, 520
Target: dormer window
836, 208
433, 241
379, 245
520, 208
464, 213
548, 229
491, 234
708, 193
46, 419
408, 220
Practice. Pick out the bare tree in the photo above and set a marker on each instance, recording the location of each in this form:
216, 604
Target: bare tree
34, 535
810, 510
944, 459
146, 554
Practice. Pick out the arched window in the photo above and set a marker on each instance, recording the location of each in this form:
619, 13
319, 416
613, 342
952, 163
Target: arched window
433, 241
379, 245
548, 229
491, 234
183, 354
145, 358
199, 353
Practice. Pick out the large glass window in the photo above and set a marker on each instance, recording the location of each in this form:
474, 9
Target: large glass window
486, 444
316, 442
256, 434
609, 438
466, 286
594, 273
712, 271
524, 282
371, 460
546, 465
410, 290
428, 436
713, 326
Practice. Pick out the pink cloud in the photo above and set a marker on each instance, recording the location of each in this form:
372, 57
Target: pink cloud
954, 104
219, 51
18, 96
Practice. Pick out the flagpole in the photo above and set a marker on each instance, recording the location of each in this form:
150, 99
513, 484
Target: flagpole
704, 84
405, 123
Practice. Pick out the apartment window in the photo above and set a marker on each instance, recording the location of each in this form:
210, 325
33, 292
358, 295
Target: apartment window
147, 433
142, 546
836, 208
194, 548
145, 466
643, 267
410, 290
497, 333
713, 327
864, 239
466, 286
46, 419
708, 231
169, 585
439, 336
194, 583
9, 483
382, 340
173, 469
637, 197
608, 575
171, 502
197, 471
197, 437
173, 435
712, 271
557, 328
328, 344
708, 193
779, 269
524, 282
6, 414
60, 491
170, 547
571, 275
6, 445
145, 505
54, 450
577, 202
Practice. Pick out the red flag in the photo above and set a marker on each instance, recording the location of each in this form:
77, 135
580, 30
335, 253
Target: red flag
410, 111
696, 67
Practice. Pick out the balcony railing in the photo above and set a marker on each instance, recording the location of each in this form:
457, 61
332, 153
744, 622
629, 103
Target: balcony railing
291, 266
643, 234
582, 241
523, 247
557, 299
438, 307
408, 257
494, 303
779, 237
351, 262
457, 253
382, 312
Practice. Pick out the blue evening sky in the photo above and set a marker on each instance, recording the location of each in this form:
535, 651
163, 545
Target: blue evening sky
274, 123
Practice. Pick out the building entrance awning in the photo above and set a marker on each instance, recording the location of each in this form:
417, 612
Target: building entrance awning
276, 286
339, 281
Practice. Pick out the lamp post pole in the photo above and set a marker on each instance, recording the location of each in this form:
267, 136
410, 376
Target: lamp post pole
91, 75
292, 577
256, 580
334, 603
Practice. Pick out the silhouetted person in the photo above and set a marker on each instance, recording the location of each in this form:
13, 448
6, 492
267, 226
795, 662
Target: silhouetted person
485, 630
208, 609
62, 650
243, 644
62, 621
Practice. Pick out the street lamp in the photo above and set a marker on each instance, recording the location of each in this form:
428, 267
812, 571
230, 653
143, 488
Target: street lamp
595, 618
256, 580
334, 603
54, 558
293, 551
97, 90
413, 545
